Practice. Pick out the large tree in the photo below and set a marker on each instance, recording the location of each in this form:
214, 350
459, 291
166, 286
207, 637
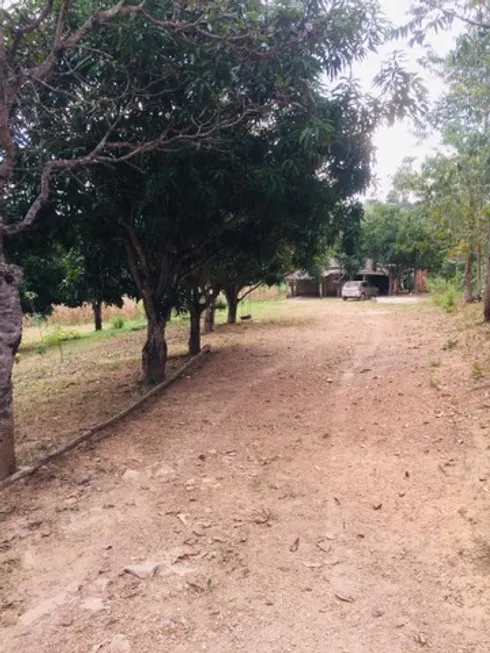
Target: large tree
57, 69
401, 237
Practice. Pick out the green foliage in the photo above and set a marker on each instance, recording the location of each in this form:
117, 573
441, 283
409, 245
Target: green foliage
220, 304
60, 335
56, 338
41, 347
38, 319
453, 186
118, 322
400, 236
449, 300
445, 293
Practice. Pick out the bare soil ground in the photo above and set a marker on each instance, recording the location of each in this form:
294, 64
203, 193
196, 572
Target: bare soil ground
319, 485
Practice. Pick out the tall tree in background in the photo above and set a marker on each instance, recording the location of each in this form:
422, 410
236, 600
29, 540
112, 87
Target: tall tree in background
454, 191
454, 185
399, 236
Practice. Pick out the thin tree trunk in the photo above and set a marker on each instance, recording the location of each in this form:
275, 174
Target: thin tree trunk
468, 290
209, 317
486, 306
231, 293
154, 358
97, 309
195, 330
479, 275
10, 335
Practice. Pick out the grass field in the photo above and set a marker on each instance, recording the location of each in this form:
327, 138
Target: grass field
79, 323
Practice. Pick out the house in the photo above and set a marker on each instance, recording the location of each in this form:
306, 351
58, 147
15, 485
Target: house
332, 278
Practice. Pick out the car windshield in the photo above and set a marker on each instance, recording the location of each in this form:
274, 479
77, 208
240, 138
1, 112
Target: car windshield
352, 284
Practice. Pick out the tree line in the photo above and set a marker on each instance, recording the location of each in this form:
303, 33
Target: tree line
173, 150
451, 189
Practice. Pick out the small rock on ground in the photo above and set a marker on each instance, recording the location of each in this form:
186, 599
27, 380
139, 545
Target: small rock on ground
94, 604
145, 570
131, 475
120, 644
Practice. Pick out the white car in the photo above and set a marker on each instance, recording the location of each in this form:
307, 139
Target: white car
359, 290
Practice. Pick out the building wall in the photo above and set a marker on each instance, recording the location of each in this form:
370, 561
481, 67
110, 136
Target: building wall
421, 281
331, 285
306, 287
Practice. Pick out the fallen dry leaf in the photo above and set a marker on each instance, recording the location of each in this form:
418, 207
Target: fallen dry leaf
295, 545
185, 556
345, 599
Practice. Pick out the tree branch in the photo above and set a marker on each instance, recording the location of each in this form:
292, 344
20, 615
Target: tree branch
250, 290
22, 32
433, 4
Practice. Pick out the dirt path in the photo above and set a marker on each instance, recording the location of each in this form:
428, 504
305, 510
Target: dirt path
318, 487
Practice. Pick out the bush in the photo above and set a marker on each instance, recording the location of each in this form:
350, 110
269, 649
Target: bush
220, 304
60, 335
445, 293
448, 300
40, 348
118, 322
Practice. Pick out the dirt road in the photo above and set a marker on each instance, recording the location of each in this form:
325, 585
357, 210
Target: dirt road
320, 485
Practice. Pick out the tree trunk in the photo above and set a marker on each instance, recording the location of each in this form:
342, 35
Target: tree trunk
10, 335
195, 331
231, 293
468, 291
209, 317
97, 309
154, 357
486, 307
479, 275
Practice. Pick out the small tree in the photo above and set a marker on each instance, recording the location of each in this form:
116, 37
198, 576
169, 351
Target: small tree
95, 275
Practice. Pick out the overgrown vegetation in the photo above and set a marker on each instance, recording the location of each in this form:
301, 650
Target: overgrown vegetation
445, 293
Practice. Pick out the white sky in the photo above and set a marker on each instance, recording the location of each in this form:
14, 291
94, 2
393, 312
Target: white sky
395, 143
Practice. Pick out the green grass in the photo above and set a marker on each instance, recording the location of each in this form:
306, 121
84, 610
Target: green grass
83, 334
76, 336
445, 293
